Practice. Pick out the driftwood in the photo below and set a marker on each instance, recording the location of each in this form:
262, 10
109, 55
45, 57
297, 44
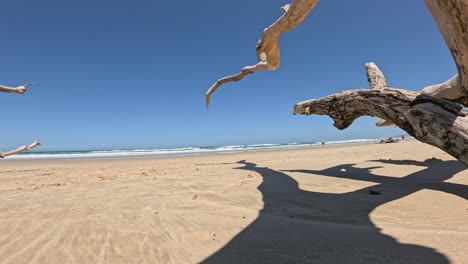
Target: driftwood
435, 115
438, 122
19, 90
267, 49
20, 149
451, 17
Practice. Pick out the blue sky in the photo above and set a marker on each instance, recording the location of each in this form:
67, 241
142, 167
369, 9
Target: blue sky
124, 74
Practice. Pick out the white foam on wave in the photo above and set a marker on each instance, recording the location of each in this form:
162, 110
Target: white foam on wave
121, 153
350, 141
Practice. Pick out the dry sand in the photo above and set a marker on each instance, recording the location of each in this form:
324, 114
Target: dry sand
290, 206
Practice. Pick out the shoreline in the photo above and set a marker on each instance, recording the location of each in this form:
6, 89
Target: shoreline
121, 154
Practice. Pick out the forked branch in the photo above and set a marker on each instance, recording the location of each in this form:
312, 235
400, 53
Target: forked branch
438, 122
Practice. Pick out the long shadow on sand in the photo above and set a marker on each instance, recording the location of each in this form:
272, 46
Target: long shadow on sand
297, 226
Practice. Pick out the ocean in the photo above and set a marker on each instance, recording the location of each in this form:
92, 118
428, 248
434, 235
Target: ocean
159, 152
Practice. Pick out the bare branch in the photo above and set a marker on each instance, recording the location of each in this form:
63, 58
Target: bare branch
268, 47
451, 90
451, 16
19, 90
441, 123
377, 81
375, 77
383, 123
20, 149
234, 78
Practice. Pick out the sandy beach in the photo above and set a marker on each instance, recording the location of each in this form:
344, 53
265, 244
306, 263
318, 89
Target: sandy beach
363, 203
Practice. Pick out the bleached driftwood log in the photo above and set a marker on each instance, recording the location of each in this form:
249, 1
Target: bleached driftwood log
267, 49
19, 90
434, 116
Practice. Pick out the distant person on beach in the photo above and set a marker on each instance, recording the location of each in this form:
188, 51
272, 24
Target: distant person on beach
403, 137
389, 140
323, 144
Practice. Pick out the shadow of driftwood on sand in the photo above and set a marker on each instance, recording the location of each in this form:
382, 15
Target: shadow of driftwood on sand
297, 226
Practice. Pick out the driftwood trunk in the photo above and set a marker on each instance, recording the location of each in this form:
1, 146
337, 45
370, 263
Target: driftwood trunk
435, 115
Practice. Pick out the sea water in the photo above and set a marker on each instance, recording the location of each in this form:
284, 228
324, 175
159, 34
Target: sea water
155, 152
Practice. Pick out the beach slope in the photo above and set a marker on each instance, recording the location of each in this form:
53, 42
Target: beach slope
363, 203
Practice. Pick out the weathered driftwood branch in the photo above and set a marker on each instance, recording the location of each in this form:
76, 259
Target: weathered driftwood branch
438, 122
375, 77
377, 82
267, 49
451, 90
448, 90
20, 149
444, 90
19, 90
451, 16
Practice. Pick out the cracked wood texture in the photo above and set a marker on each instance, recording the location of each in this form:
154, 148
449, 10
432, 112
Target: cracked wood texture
437, 122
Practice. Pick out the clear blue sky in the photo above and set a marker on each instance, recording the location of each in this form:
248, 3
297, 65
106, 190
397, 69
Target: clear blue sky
123, 74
